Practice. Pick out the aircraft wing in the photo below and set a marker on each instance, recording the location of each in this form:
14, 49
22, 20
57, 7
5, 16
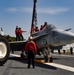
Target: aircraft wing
17, 45
67, 29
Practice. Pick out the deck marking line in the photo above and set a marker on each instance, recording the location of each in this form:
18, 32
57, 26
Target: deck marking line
15, 55
61, 66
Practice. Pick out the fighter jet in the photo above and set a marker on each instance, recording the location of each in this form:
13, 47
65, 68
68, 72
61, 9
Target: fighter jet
47, 39
52, 38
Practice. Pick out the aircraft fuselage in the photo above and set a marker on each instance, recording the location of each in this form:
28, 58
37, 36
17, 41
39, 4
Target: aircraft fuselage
50, 35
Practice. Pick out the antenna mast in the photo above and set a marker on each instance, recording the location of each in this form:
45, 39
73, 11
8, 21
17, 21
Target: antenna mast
34, 18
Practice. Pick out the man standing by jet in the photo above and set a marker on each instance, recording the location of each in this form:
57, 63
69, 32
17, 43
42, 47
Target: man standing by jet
31, 50
71, 50
36, 29
17, 33
45, 24
20, 33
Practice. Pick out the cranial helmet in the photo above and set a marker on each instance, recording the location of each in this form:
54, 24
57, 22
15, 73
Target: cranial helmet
30, 38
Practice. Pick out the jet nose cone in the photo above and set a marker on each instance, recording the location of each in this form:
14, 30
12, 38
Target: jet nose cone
66, 38
70, 37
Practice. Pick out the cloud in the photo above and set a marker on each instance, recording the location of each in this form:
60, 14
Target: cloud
12, 10
51, 11
22, 9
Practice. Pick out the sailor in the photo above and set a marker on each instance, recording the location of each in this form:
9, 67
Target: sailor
45, 24
31, 50
36, 29
17, 33
20, 33
41, 27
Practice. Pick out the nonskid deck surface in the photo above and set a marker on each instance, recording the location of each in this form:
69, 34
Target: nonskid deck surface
40, 60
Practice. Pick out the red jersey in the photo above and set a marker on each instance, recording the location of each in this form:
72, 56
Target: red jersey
36, 30
30, 46
17, 31
21, 31
41, 27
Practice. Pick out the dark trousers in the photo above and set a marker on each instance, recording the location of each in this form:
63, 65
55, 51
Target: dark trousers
31, 58
21, 37
17, 37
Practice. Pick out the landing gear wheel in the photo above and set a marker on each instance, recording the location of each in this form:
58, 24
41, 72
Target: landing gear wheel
4, 50
46, 59
51, 59
22, 55
45, 53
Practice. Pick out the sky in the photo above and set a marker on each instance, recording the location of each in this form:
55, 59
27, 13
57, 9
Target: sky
19, 13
